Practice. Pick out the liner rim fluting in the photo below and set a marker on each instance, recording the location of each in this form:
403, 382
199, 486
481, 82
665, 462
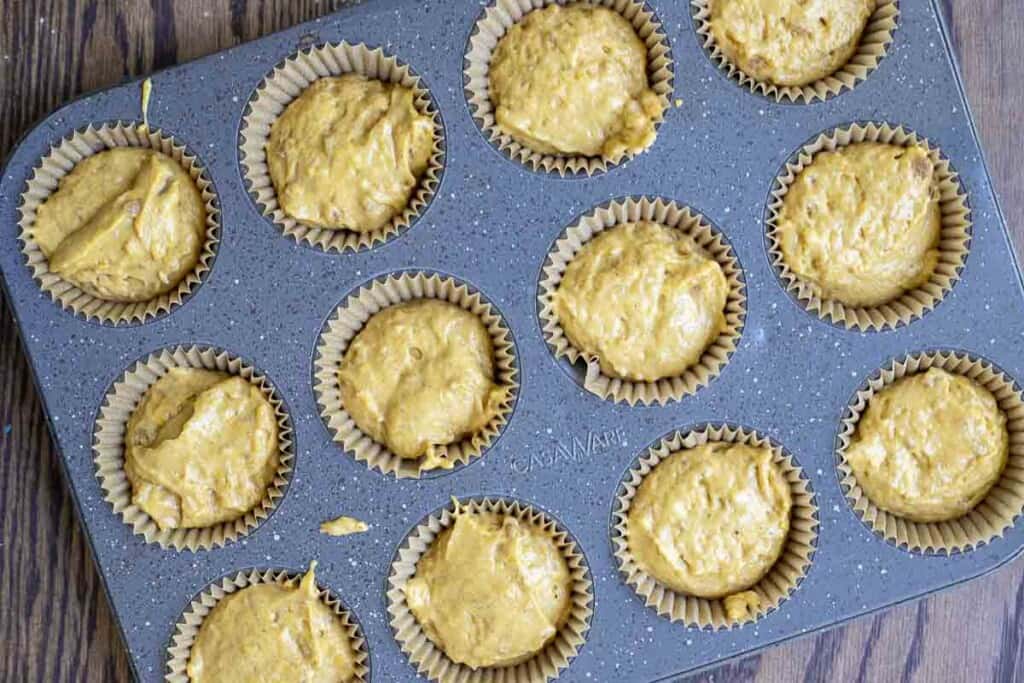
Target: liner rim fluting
285, 83
119, 403
60, 160
496, 18
875, 42
780, 582
349, 317
428, 659
1004, 502
671, 214
186, 629
954, 237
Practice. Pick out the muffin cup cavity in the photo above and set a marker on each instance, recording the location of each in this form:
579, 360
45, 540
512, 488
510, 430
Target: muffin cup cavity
349, 318
187, 629
60, 161
109, 446
497, 18
776, 586
1002, 505
430, 661
286, 83
954, 236
873, 46
672, 215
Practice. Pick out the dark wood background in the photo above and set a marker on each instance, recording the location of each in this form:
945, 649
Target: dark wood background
54, 621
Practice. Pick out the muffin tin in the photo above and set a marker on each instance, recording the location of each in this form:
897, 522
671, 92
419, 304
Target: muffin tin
492, 224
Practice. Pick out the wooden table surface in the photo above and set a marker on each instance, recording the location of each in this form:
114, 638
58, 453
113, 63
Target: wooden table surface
55, 624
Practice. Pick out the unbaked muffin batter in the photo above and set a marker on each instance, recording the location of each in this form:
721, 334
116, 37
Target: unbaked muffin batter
343, 526
268, 632
491, 590
573, 80
124, 225
861, 224
711, 521
200, 449
929, 446
420, 376
349, 153
789, 42
644, 299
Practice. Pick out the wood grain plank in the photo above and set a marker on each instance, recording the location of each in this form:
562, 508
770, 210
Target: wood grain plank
54, 622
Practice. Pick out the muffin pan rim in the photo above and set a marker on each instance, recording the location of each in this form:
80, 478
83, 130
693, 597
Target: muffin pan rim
815, 608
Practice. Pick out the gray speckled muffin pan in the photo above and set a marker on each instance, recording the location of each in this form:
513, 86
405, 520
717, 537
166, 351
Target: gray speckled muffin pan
491, 224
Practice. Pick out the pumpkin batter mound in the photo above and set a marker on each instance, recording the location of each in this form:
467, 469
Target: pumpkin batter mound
573, 81
789, 42
491, 590
420, 376
711, 521
862, 224
929, 446
124, 225
644, 299
200, 449
348, 153
270, 632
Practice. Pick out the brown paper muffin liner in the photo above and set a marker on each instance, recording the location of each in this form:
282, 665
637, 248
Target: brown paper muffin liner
496, 19
287, 82
430, 661
187, 629
673, 215
109, 448
954, 236
781, 580
63, 157
874, 44
990, 518
348, 320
